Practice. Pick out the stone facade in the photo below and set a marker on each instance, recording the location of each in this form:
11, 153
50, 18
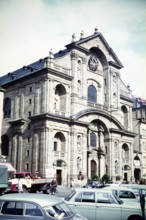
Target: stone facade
70, 114
139, 127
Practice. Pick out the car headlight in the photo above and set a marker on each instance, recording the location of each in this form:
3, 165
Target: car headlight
79, 217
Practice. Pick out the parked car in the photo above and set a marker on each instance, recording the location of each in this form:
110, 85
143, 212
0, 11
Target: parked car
137, 188
124, 193
102, 204
93, 184
35, 206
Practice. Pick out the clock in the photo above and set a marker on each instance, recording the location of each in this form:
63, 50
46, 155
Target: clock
93, 63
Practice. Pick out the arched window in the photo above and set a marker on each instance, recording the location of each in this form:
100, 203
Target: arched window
93, 139
93, 168
7, 108
92, 94
60, 98
59, 142
125, 149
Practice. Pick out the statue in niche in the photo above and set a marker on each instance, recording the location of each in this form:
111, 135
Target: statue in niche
116, 149
114, 98
79, 143
79, 87
78, 163
114, 79
79, 68
116, 167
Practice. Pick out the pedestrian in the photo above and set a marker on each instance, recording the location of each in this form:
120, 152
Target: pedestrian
53, 186
72, 183
20, 186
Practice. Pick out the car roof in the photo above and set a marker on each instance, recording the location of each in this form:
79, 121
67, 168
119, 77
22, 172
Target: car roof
119, 188
92, 190
40, 199
135, 186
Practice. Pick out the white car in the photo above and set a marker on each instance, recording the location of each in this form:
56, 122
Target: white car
137, 188
102, 204
30, 206
124, 193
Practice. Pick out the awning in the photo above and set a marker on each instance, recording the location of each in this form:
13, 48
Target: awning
9, 166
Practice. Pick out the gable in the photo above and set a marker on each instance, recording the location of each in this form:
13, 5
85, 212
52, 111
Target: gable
97, 43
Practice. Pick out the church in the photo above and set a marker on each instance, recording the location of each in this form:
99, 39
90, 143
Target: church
69, 115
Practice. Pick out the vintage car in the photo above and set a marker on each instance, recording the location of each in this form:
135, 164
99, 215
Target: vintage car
102, 204
35, 206
137, 188
124, 193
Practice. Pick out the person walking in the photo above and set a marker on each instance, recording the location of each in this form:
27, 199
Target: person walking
53, 186
20, 186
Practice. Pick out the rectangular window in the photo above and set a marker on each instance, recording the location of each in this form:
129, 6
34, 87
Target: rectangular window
32, 210
88, 197
29, 101
12, 208
27, 153
26, 166
28, 139
29, 113
30, 89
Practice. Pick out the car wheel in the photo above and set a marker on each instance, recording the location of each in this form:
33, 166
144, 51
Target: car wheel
135, 217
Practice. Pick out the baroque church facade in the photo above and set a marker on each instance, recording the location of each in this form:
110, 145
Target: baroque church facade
70, 114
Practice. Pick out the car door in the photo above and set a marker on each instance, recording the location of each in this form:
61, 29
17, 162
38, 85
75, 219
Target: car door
107, 207
84, 204
12, 210
32, 211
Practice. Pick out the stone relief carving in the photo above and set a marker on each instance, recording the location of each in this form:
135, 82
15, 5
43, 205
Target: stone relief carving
93, 63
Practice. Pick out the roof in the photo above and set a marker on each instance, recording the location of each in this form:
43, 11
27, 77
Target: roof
125, 188
9, 166
77, 44
39, 65
92, 190
41, 199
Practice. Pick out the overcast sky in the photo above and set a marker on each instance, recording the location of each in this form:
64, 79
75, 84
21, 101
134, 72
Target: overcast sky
30, 28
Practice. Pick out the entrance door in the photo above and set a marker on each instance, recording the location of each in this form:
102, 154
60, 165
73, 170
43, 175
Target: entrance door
125, 177
137, 174
59, 177
93, 168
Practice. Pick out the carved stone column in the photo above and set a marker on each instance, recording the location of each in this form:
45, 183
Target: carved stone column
22, 105
84, 79
42, 151
16, 107
84, 155
74, 57
73, 153
35, 153
13, 150
20, 153
43, 96
37, 100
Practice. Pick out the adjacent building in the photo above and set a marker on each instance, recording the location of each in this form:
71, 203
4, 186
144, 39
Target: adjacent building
139, 127
70, 114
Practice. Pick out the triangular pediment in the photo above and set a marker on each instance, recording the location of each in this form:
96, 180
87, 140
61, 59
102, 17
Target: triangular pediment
97, 41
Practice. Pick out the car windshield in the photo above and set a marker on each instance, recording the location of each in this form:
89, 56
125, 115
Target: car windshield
70, 196
118, 199
59, 210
